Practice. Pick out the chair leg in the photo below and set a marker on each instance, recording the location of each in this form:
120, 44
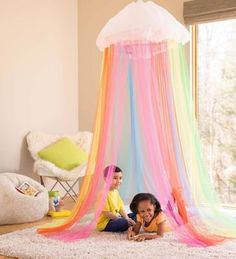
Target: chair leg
41, 181
67, 191
54, 184
71, 187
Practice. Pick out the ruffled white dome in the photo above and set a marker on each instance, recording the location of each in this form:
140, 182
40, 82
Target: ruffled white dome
142, 21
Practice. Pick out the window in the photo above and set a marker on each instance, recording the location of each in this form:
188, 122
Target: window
215, 101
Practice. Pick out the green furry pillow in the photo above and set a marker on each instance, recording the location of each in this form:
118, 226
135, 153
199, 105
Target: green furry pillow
64, 154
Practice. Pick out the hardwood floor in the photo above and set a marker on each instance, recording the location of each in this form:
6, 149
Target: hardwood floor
10, 228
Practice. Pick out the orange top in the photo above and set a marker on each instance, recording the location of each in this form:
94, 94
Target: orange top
153, 226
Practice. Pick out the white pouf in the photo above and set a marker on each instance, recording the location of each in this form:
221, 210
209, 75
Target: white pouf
17, 207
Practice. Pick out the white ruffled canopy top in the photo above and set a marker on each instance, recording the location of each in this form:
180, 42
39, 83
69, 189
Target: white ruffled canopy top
142, 21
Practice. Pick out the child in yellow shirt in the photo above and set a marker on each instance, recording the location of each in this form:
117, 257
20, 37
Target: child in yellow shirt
149, 216
113, 217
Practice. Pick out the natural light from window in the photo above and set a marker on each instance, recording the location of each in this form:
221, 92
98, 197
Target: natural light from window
216, 72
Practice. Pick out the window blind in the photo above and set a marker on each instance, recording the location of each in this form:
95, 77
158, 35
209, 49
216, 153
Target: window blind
200, 11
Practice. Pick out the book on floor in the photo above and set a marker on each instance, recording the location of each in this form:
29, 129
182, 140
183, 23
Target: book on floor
27, 189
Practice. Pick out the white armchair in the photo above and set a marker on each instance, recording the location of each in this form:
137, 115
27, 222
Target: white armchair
38, 140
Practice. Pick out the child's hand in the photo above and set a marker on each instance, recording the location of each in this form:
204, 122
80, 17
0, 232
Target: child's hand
131, 233
139, 238
131, 222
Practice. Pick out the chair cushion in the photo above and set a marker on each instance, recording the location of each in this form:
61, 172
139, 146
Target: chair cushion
64, 154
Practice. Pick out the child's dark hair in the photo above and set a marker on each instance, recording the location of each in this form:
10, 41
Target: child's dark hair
144, 197
111, 168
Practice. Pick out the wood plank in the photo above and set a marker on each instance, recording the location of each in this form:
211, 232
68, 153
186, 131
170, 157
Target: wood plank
6, 257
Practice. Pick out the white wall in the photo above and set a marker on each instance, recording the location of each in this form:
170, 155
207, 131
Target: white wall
39, 52
38, 75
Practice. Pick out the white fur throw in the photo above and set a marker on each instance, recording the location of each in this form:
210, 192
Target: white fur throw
39, 140
17, 207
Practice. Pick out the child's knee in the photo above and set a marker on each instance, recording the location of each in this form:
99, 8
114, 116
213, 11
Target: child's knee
121, 225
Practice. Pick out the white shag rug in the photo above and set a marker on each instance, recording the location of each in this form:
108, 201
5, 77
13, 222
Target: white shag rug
28, 244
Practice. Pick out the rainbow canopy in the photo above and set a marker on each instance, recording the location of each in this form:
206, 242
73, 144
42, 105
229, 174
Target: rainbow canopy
145, 125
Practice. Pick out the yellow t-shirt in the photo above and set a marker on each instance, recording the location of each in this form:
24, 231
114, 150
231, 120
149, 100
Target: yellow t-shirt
153, 226
113, 204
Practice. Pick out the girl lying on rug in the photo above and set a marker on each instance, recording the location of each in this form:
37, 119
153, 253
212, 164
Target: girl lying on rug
149, 216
